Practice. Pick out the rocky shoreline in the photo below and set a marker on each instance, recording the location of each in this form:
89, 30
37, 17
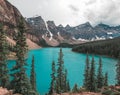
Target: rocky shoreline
4, 91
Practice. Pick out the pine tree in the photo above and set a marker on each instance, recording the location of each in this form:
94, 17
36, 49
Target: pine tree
86, 74
33, 76
75, 89
68, 86
53, 81
4, 77
60, 73
92, 77
118, 71
20, 81
66, 82
100, 80
106, 79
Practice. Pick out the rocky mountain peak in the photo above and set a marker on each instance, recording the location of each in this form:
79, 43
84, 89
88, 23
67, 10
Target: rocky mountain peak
67, 27
51, 24
36, 20
101, 25
8, 13
87, 24
37, 23
60, 25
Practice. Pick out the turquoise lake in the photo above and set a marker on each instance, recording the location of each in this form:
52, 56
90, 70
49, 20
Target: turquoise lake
74, 63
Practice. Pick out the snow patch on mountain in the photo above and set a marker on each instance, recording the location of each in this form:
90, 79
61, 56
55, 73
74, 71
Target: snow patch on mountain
80, 39
74, 38
109, 33
58, 33
111, 37
99, 38
43, 36
51, 35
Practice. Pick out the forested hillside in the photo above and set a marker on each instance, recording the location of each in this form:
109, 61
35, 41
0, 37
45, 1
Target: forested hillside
109, 47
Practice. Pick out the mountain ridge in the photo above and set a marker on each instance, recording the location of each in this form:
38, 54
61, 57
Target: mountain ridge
84, 31
47, 33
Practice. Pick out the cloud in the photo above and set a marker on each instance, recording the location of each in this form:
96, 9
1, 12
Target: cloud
72, 12
73, 8
89, 2
106, 11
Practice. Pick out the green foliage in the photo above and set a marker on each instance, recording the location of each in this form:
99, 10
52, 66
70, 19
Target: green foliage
118, 71
83, 89
100, 79
106, 80
107, 92
86, 74
20, 82
68, 86
118, 89
4, 77
33, 77
110, 92
53, 80
60, 73
32, 92
11, 47
43, 43
92, 77
62, 84
91, 81
66, 83
65, 45
75, 89
115, 93
106, 47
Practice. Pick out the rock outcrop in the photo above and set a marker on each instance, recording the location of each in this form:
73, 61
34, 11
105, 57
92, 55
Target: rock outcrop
9, 17
53, 35
4, 91
8, 13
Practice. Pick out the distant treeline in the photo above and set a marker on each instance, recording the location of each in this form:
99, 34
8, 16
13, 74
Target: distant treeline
65, 45
109, 47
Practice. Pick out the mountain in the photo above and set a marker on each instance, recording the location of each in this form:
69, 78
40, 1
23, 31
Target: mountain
83, 31
48, 33
72, 35
10, 16
99, 32
8, 13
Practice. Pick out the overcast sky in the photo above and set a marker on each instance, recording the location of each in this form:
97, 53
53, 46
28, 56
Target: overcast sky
72, 12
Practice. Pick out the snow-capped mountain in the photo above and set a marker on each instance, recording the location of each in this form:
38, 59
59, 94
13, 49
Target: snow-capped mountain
47, 30
81, 33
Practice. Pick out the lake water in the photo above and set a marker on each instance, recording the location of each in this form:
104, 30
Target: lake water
74, 63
